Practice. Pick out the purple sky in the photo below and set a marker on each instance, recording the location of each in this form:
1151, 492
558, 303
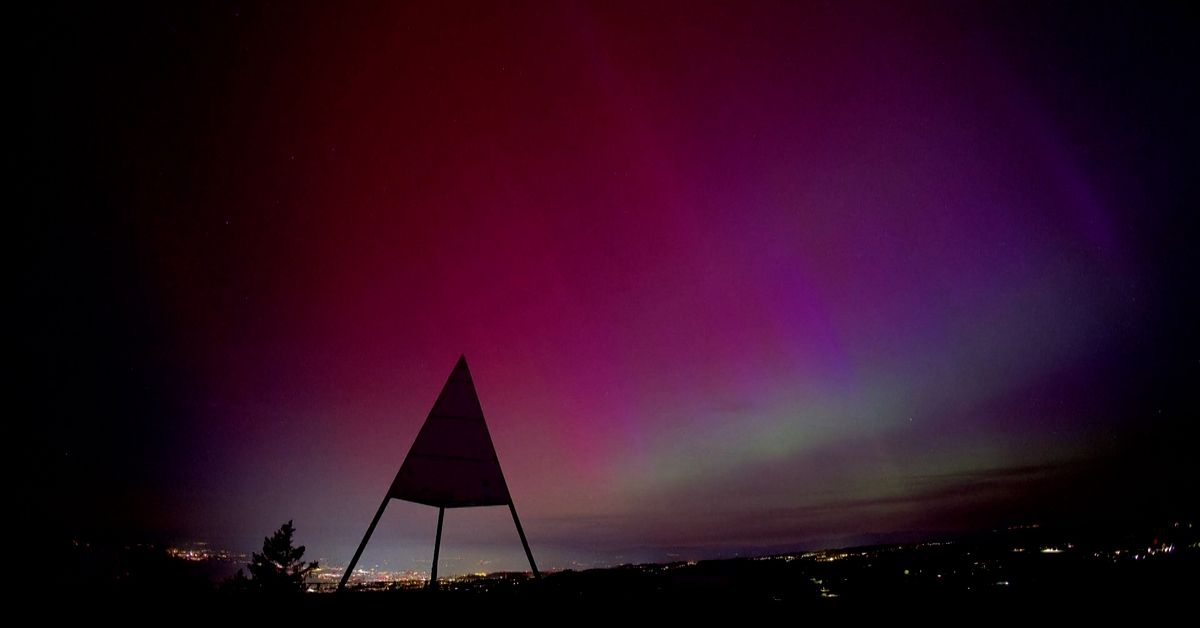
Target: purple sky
729, 278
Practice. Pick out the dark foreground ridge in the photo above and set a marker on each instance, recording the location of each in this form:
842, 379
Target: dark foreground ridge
1022, 567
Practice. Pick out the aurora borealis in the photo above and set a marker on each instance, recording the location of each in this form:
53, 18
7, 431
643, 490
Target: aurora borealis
728, 277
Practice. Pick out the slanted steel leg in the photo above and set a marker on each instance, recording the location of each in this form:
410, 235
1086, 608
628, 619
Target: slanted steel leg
437, 546
521, 532
363, 545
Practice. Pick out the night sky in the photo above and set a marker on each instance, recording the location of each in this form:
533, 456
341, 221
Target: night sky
730, 277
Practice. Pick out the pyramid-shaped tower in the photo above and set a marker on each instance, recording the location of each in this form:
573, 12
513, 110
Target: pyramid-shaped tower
451, 464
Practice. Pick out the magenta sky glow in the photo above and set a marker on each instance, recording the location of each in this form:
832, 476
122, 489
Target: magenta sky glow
728, 278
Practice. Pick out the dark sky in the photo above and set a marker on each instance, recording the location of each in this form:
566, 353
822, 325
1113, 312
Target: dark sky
729, 276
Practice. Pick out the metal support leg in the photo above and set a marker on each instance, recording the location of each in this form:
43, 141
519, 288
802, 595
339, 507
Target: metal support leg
437, 546
521, 532
363, 545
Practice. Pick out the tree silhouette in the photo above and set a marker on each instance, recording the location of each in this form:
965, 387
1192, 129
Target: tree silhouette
279, 568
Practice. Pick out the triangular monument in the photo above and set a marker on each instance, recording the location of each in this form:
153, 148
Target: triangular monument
452, 464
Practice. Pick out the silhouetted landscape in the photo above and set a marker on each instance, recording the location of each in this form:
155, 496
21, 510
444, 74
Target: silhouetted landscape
1027, 566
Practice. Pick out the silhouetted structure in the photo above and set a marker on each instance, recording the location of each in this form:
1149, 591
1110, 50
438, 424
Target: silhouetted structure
452, 464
